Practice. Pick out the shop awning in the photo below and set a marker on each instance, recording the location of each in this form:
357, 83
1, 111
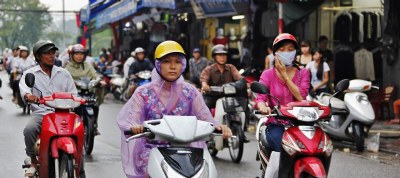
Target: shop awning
293, 11
218, 8
116, 12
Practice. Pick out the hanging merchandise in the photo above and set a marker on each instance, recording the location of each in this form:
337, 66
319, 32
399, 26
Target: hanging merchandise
364, 64
344, 63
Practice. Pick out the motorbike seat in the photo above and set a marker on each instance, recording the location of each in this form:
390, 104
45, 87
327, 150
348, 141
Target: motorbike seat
335, 102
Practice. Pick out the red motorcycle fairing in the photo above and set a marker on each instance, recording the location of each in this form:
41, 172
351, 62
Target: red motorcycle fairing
311, 165
64, 124
310, 145
304, 103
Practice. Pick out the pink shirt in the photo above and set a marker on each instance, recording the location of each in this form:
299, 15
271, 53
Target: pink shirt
279, 89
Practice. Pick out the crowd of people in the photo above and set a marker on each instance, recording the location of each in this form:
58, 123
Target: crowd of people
289, 75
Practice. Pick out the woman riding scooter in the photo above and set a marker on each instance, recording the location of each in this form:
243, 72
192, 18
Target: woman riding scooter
20, 65
166, 94
288, 83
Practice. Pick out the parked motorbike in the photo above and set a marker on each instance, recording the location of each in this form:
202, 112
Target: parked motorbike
88, 112
306, 149
353, 116
60, 143
179, 159
140, 79
230, 110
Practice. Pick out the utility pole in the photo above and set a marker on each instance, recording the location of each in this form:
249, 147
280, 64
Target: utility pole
63, 16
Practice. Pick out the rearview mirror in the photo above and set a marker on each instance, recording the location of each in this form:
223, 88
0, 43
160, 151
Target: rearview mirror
342, 85
258, 87
30, 80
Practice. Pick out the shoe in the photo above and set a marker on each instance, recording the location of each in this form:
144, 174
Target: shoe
97, 132
245, 139
30, 172
1, 97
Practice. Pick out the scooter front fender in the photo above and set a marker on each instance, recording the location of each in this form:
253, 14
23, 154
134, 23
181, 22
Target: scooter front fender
310, 165
65, 144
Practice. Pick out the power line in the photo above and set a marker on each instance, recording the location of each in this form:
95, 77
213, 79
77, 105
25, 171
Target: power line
38, 10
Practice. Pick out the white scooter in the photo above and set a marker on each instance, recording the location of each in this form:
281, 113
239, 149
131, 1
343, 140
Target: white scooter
352, 117
179, 159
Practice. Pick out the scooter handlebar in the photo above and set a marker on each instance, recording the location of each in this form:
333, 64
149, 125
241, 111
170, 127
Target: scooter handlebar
130, 133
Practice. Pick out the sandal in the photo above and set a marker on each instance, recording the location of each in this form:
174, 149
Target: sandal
30, 172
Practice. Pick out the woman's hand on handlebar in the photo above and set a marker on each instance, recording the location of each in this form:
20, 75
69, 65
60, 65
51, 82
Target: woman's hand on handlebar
226, 131
265, 110
137, 129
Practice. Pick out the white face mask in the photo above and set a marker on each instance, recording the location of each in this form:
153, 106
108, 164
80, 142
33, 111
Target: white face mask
287, 57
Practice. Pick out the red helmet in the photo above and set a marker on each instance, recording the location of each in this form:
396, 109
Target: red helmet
282, 38
78, 48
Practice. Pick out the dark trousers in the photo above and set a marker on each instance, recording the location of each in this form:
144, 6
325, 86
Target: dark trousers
210, 100
274, 136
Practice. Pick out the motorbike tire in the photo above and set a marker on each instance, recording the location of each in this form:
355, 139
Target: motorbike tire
117, 94
66, 168
125, 95
359, 138
89, 134
238, 132
213, 151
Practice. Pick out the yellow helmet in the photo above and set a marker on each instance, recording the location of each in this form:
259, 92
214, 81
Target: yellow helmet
168, 47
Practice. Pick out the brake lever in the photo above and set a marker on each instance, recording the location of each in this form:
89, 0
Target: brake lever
145, 134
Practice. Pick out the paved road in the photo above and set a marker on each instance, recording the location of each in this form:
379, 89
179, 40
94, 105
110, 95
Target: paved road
105, 161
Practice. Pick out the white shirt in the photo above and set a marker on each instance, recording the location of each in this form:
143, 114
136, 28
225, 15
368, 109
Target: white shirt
60, 81
314, 79
127, 64
22, 65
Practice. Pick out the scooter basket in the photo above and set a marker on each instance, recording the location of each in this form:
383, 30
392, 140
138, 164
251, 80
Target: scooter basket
234, 104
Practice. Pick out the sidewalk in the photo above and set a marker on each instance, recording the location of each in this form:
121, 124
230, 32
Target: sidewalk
390, 136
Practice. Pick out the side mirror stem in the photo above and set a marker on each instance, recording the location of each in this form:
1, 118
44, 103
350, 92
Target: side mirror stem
41, 94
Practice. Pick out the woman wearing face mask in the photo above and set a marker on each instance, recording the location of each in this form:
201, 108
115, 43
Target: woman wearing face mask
288, 83
167, 93
305, 56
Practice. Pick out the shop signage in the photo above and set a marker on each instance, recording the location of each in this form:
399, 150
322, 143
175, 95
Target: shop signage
212, 9
116, 12
170, 4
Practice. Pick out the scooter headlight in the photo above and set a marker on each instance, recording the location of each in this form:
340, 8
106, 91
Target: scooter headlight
306, 114
169, 171
228, 90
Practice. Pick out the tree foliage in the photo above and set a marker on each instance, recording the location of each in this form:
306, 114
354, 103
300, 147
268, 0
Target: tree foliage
22, 22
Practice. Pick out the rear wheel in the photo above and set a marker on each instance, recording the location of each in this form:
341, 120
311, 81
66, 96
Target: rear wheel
236, 145
125, 95
89, 134
66, 168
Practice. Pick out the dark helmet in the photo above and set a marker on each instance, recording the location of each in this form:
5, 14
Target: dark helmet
42, 46
281, 39
219, 49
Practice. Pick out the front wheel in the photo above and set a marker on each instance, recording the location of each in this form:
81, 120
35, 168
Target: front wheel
358, 134
125, 95
89, 134
236, 144
66, 168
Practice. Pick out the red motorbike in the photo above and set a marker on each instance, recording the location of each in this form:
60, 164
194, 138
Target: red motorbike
60, 144
306, 149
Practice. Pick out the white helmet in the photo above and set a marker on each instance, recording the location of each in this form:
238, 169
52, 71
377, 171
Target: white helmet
23, 48
139, 50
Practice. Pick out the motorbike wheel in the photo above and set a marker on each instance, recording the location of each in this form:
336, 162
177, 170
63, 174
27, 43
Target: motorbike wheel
358, 134
213, 151
89, 134
125, 95
117, 94
66, 166
236, 145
